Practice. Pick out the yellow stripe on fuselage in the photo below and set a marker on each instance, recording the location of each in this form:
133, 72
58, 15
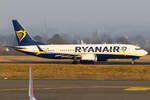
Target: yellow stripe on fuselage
37, 53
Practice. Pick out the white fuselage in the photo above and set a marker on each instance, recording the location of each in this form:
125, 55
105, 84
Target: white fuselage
103, 50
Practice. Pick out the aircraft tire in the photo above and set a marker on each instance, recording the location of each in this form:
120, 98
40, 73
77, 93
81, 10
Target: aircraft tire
86, 62
75, 62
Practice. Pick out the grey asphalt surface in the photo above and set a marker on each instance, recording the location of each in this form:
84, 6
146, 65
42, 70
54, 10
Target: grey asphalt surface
70, 62
19, 60
74, 90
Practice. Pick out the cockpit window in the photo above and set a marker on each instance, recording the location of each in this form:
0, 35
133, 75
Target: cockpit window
138, 49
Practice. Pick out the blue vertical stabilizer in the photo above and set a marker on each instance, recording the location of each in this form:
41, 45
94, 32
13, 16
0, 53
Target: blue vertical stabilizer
22, 36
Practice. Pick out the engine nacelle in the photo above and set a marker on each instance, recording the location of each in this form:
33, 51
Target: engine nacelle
89, 57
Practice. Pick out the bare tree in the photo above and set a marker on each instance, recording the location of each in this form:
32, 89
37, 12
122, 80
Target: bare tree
106, 38
57, 39
38, 38
122, 40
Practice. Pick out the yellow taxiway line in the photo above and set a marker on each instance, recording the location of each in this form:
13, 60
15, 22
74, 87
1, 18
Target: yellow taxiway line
138, 89
125, 88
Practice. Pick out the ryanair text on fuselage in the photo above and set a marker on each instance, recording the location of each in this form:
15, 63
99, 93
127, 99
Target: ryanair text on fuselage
100, 49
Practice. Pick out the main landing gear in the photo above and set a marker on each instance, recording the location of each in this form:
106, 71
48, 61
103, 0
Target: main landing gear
87, 62
75, 61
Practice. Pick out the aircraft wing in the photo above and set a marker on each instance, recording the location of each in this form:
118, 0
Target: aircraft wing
41, 51
66, 55
57, 54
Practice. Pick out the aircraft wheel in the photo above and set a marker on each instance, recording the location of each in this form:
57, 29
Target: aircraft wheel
133, 61
86, 62
75, 62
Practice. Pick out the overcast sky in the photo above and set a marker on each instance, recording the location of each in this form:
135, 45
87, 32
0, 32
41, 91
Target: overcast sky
76, 16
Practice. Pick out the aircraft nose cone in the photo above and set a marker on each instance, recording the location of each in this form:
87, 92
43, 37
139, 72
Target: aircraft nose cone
145, 52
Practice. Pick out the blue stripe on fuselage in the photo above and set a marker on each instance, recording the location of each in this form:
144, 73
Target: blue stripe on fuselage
99, 56
110, 56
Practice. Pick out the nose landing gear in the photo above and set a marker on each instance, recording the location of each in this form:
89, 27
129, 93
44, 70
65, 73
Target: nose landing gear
133, 61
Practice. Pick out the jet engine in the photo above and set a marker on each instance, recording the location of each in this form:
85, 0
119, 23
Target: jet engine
88, 58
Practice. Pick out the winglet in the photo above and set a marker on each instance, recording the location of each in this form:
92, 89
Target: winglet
31, 91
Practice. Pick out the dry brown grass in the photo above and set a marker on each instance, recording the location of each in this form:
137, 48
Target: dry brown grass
24, 58
70, 71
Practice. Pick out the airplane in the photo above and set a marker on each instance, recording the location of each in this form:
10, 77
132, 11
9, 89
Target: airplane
31, 91
79, 53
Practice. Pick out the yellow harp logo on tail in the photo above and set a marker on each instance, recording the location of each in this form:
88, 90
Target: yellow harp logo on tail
21, 35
